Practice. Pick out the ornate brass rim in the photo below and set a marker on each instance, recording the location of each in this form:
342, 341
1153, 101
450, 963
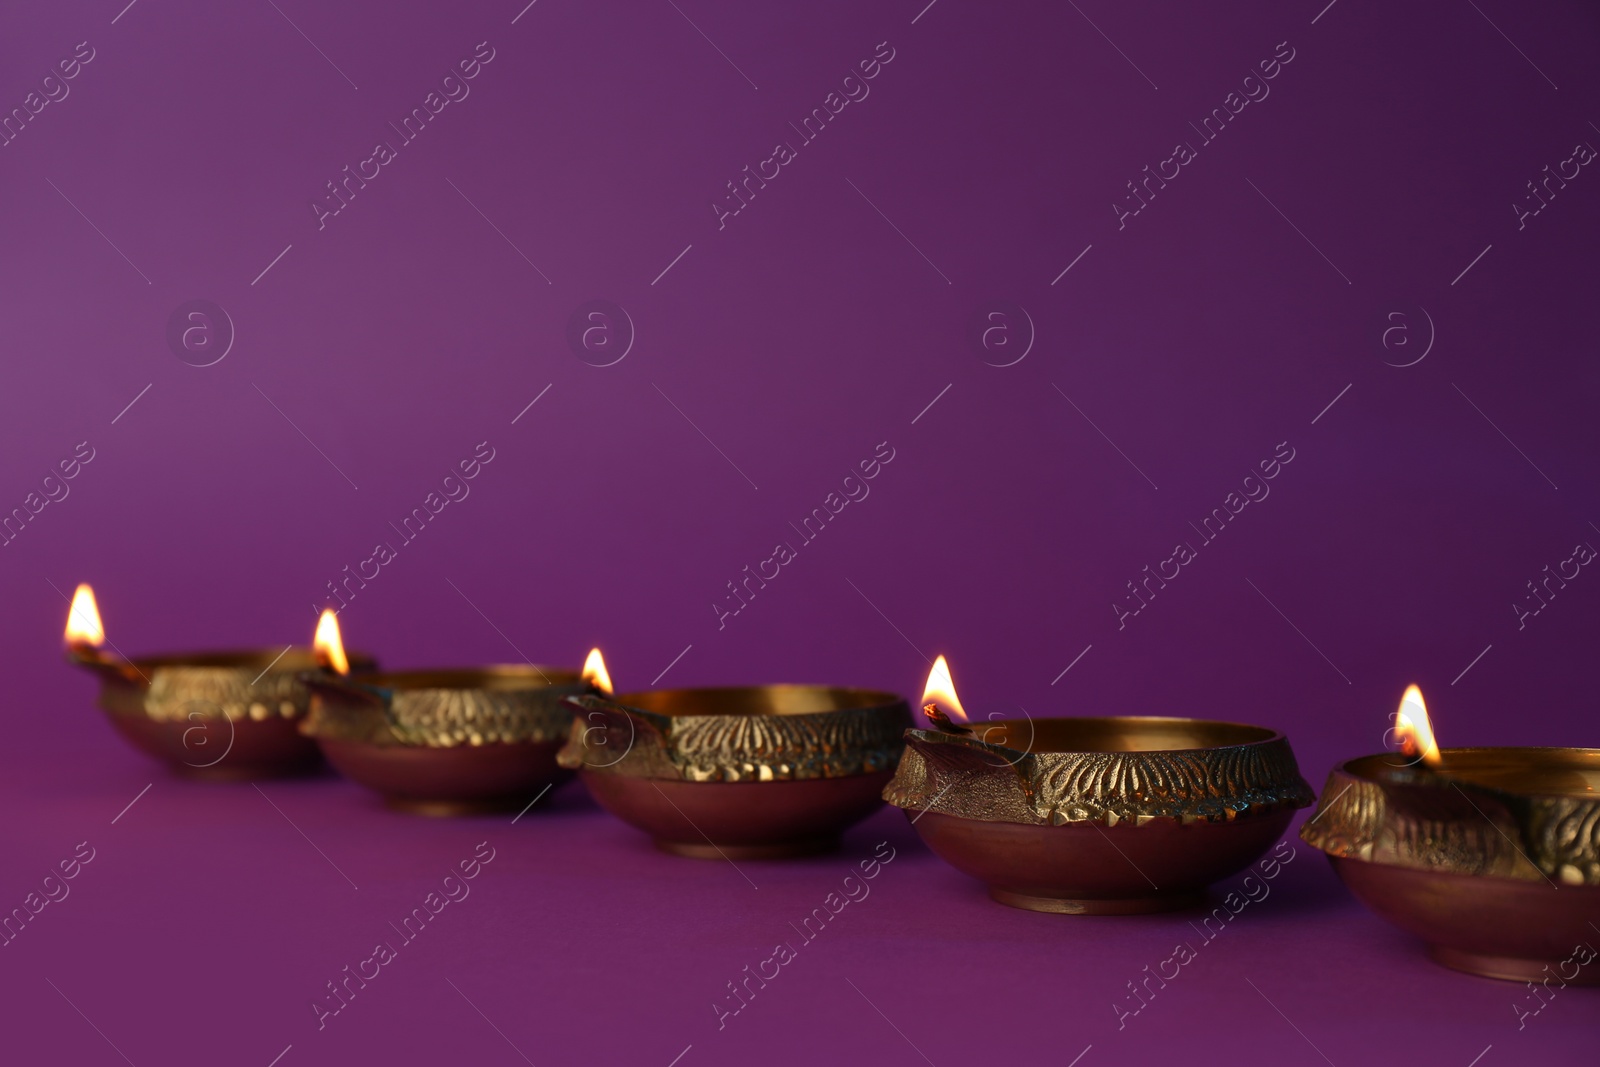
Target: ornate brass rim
738, 734
238, 685
444, 708
1105, 770
1521, 813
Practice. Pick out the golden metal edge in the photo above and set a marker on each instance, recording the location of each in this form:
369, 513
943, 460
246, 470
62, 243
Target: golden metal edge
1413, 818
443, 709
964, 776
753, 747
262, 684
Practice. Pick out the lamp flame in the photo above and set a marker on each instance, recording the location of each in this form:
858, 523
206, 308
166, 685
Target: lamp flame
595, 673
939, 695
1414, 730
84, 628
328, 645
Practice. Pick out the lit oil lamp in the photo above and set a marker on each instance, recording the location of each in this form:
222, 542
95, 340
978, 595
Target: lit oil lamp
595, 673
940, 689
1094, 816
1490, 855
760, 772
206, 714
445, 742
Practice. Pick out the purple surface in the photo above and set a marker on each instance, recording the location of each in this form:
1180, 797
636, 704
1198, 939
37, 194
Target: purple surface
1360, 215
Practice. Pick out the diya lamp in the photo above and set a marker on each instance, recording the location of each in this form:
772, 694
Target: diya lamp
228, 714
757, 772
449, 741
1094, 816
1490, 855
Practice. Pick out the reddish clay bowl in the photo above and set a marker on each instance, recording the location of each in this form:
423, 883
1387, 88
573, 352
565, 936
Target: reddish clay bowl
447, 742
1493, 859
450, 781
1495, 927
740, 820
761, 772
216, 715
1099, 816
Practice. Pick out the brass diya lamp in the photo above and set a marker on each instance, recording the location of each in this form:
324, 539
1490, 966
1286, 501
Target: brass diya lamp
1094, 816
1490, 855
445, 742
225, 714
758, 772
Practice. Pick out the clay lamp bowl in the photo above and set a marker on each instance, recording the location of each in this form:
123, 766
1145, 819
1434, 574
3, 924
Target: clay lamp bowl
446, 742
1098, 816
1491, 855
223, 715
218, 715
760, 772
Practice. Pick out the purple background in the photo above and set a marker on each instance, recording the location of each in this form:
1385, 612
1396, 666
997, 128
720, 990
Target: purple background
800, 335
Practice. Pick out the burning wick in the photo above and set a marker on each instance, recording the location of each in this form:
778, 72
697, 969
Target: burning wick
328, 645
85, 632
595, 673
1413, 729
942, 721
941, 689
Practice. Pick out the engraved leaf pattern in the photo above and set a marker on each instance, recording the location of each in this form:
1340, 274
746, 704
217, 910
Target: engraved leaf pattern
738, 748
781, 747
445, 718
1560, 838
1060, 787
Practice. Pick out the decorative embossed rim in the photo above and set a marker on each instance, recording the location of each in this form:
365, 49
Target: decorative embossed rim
1493, 813
1102, 770
363, 708
254, 683
716, 734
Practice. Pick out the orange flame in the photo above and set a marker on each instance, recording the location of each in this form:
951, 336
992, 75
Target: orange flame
84, 628
941, 691
328, 645
595, 673
1413, 729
